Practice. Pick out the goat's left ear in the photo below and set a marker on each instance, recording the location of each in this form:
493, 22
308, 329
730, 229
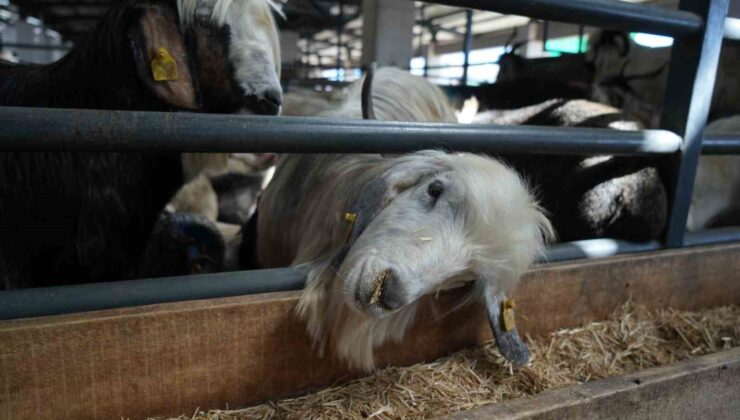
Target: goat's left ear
162, 60
378, 193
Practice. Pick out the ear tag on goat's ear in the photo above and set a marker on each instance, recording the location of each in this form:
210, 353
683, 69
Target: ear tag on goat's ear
507, 309
164, 66
350, 219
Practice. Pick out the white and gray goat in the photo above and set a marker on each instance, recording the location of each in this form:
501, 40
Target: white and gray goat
375, 234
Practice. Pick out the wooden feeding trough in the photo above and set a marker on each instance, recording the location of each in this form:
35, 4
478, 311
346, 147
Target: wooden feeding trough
174, 358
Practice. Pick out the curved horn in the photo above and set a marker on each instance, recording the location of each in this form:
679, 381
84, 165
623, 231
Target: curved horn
368, 111
500, 318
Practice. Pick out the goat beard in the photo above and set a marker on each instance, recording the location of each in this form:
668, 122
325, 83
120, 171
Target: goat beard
350, 334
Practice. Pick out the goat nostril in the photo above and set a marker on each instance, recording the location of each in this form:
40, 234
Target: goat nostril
270, 102
388, 295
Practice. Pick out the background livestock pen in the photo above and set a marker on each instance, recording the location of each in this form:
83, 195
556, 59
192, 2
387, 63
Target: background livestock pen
165, 346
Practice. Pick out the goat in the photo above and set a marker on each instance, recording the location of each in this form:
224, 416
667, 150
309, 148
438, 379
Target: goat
633, 78
181, 244
87, 216
375, 234
716, 198
522, 92
569, 69
303, 102
601, 196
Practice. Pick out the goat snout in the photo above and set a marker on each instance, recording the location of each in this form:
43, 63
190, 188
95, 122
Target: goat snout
267, 102
384, 294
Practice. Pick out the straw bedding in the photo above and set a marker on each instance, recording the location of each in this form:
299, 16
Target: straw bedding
632, 339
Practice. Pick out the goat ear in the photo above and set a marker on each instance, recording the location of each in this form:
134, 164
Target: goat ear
377, 194
622, 42
501, 320
162, 61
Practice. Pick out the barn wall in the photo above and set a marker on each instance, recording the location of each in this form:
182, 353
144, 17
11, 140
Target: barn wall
22, 32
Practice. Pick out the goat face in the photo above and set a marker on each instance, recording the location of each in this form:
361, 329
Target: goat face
472, 219
225, 54
237, 54
435, 221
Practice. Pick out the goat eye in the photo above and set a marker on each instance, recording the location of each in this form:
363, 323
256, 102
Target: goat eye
436, 189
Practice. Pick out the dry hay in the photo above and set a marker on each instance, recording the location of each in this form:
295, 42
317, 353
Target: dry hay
632, 339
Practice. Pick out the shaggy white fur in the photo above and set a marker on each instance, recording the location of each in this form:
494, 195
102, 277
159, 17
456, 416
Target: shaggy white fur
425, 221
398, 96
254, 48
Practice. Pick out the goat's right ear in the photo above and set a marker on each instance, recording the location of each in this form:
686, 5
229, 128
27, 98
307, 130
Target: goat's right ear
162, 60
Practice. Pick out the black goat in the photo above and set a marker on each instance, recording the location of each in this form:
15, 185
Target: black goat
603, 196
81, 217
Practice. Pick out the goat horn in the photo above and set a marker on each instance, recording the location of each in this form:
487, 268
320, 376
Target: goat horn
368, 111
501, 320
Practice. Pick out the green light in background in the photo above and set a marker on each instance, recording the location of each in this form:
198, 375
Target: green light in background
568, 45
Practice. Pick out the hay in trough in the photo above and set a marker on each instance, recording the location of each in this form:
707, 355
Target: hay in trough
632, 339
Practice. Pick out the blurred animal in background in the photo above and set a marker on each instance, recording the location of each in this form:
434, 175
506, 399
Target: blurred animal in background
304, 102
633, 78
568, 69
88, 216
589, 197
615, 70
182, 244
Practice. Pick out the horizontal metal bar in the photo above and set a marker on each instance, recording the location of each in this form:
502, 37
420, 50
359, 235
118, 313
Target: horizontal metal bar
596, 248
41, 129
609, 14
721, 144
602, 248
28, 303
732, 29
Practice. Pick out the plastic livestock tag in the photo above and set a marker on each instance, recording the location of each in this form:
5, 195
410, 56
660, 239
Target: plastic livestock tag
164, 66
508, 315
350, 219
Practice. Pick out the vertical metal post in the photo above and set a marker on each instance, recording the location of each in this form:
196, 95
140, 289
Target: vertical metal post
580, 39
432, 41
545, 34
467, 46
693, 70
340, 24
422, 20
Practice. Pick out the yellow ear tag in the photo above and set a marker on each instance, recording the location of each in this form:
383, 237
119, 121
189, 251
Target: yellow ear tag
164, 66
350, 218
508, 315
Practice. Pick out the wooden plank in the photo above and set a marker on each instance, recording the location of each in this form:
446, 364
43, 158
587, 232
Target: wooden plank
707, 387
173, 358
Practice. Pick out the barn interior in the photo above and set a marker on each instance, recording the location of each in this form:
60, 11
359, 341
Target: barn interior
326, 43
639, 324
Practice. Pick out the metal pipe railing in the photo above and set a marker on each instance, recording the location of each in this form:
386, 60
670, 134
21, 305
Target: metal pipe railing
28, 303
38, 129
35, 129
609, 14
721, 144
688, 97
732, 29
